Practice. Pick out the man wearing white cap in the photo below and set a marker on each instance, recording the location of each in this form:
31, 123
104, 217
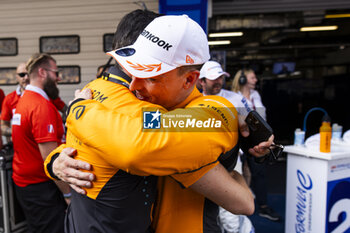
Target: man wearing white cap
163, 66
212, 79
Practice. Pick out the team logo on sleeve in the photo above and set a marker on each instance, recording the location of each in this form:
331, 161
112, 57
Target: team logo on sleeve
151, 119
50, 128
78, 110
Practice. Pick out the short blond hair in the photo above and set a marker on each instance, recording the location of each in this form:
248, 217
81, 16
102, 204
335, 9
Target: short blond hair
37, 60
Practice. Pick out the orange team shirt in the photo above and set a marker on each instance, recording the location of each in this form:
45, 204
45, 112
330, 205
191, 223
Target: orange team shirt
124, 145
36, 120
177, 209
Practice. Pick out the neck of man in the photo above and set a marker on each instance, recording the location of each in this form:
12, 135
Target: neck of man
35, 82
190, 94
210, 93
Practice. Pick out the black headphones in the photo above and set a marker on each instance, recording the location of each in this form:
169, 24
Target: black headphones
242, 79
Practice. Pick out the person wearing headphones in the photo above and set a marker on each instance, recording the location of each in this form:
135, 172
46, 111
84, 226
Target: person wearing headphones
249, 99
244, 84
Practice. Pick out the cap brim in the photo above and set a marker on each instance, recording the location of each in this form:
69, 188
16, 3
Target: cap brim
216, 76
226, 74
138, 64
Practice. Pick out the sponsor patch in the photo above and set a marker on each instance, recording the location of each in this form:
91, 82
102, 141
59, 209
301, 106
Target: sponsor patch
189, 60
146, 68
16, 120
155, 39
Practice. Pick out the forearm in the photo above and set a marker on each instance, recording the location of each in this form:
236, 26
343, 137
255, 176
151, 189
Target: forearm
65, 190
6, 128
64, 187
230, 193
240, 179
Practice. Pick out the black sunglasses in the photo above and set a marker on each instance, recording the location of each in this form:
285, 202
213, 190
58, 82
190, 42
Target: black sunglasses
22, 74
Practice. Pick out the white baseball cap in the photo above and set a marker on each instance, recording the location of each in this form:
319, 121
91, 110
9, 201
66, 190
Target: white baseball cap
166, 43
212, 70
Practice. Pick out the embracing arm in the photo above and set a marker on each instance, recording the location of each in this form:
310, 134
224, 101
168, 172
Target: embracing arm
125, 144
45, 149
227, 190
59, 165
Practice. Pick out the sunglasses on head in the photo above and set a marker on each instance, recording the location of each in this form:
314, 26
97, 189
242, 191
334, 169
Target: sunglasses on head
22, 74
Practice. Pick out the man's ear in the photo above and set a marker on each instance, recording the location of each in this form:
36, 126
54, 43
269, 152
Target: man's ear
41, 72
191, 79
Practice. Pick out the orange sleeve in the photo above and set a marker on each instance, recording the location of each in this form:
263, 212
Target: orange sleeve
49, 160
189, 178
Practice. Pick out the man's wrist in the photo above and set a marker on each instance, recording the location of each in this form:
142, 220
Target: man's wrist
49, 166
7, 132
67, 195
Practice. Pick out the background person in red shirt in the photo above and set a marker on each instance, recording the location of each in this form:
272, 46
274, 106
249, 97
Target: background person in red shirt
37, 129
2, 96
11, 100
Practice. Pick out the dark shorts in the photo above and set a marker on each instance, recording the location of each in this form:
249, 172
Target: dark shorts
44, 207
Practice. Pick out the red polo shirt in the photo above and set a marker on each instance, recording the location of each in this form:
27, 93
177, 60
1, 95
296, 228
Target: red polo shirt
9, 105
36, 120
